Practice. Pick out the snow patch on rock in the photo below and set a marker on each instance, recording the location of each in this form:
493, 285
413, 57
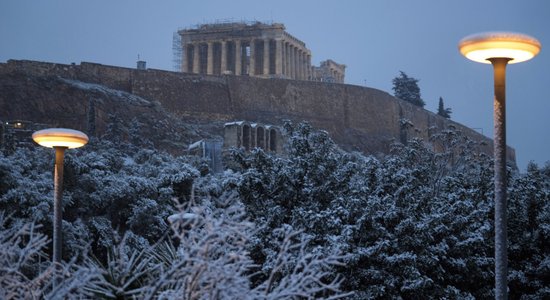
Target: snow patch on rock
130, 98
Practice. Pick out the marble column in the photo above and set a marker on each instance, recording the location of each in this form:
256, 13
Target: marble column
298, 69
185, 56
304, 66
309, 71
266, 57
292, 62
278, 57
306, 73
297, 66
287, 60
238, 57
252, 65
301, 65
196, 58
210, 59
297, 63
224, 57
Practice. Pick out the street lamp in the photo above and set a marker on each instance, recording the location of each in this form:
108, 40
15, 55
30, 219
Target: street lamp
500, 49
59, 139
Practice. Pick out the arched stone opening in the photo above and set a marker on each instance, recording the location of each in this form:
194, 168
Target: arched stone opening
273, 140
246, 135
260, 137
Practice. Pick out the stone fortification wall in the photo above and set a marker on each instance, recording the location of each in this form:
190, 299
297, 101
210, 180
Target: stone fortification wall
358, 118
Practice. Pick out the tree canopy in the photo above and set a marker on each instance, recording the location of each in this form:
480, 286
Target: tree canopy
317, 222
406, 88
442, 111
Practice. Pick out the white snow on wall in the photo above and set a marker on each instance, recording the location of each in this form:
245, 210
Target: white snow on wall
130, 98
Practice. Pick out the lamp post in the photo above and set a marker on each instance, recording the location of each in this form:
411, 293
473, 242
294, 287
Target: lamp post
500, 49
60, 139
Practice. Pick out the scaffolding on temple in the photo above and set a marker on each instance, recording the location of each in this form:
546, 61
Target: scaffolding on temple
177, 52
256, 49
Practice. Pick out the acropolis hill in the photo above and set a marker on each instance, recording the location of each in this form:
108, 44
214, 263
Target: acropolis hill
357, 118
241, 74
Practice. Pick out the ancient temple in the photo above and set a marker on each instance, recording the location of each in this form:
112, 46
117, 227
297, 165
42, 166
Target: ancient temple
254, 49
329, 71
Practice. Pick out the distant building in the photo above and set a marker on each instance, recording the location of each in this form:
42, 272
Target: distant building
329, 71
141, 65
18, 133
241, 134
254, 49
211, 150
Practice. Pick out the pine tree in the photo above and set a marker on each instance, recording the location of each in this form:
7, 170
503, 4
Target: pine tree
406, 88
442, 111
115, 128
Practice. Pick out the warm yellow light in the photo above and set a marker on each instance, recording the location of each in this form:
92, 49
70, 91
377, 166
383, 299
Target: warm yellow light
515, 46
60, 137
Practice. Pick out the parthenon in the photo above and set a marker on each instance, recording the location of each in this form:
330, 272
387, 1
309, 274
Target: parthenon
254, 49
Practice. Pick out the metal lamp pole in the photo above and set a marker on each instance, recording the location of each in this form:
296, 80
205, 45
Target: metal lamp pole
499, 150
57, 207
60, 139
500, 49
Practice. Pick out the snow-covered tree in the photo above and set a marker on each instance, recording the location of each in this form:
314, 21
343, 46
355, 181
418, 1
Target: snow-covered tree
115, 131
107, 189
25, 271
528, 233
415, 223
211, 261
407, 223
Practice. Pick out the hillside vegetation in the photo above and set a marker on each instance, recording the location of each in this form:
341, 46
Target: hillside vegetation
317, 222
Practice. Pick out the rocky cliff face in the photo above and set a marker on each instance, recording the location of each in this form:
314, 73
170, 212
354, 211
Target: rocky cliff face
55, 101
175, 109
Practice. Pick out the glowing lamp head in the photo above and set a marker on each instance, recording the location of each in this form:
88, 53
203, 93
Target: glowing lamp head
484, 46
60, 137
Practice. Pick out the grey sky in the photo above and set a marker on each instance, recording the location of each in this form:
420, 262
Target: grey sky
374, 38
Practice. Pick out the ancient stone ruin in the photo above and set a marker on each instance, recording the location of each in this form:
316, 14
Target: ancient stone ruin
249, 135
357, 118
329, 71
254, 49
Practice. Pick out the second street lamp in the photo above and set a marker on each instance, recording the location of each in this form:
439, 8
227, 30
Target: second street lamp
59, 139
500, 49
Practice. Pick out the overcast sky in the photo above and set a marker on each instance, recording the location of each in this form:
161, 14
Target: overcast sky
374, 38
